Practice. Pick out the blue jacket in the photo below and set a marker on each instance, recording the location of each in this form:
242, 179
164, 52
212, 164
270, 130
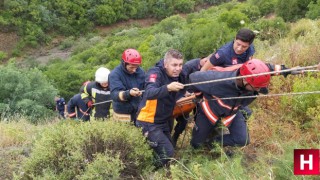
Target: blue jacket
76, 103
225, 56
95, 92
60, 104
121, 80
158, 103
191, 66
212, 105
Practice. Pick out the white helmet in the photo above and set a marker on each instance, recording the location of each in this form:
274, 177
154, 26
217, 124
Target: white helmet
102, 75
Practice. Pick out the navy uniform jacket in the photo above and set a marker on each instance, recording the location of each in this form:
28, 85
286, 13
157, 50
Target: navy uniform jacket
60, 104
225, 56
95, 92
158, 103
191, 66
76, 103
213, 107
121, 80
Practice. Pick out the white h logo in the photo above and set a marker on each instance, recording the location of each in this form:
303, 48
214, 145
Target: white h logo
303, 162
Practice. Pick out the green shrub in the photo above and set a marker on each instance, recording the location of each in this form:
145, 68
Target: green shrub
250, 10
67, 43
265, 6
72, 149
163, 8
292, 10
104, 166
3, 55
314, 10
105, 15
271, 29
300, 105
205, 37
184, 6
25, 92
234, 19
169, 24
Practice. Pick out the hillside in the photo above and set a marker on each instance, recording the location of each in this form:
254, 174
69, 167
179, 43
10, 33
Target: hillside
35, 144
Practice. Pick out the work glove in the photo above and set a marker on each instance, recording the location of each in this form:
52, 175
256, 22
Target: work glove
90, 104
264, 90
285, 74
293, 72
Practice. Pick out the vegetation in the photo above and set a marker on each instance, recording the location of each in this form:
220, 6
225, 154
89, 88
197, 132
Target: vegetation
33, 148
96, 150
25, 92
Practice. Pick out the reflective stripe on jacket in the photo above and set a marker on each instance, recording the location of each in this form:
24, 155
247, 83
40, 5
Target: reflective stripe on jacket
95, 92
213, 106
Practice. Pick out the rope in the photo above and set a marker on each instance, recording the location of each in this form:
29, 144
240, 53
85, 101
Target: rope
102, 102
238, 77
252, 75
254, 96
271, 95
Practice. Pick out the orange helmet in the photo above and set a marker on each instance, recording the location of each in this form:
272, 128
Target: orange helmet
256, 66
131, 56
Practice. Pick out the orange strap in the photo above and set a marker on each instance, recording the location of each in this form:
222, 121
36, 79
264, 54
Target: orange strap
184, 106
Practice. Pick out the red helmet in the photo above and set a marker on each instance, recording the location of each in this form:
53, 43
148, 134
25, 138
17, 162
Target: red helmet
256, 66
131, 56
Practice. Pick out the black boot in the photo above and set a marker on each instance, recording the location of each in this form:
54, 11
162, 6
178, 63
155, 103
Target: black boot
175, 138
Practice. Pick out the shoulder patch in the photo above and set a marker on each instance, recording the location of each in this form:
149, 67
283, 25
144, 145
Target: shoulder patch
217, 56
152, 77
234, 61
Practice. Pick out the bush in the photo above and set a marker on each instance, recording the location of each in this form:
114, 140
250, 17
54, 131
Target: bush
163, 8
265, 6
3, 55
271, 29
205, 37
301, 105
105, 15
184, 6
314, 10
234, 19
77, 150
67, 43
25, 92
292, 10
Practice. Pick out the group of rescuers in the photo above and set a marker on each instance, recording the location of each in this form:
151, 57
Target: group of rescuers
148, 99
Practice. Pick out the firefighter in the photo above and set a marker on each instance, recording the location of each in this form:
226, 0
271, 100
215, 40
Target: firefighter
61, 106
126, 83
163, 82
77, 108
213, 109
238, 51
97, 96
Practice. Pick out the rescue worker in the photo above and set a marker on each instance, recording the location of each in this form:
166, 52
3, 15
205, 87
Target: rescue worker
77, 108
163, 82
189, 67
98, 93
126, 83
213, 109
238, 51
61, 106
